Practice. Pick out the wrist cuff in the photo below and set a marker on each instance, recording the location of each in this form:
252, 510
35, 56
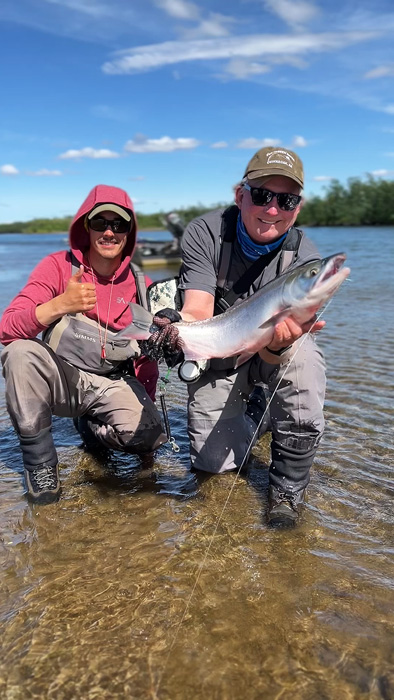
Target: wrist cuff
277, 357
279, 352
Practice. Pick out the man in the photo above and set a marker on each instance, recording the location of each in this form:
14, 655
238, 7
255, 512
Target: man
78, 299
227, 256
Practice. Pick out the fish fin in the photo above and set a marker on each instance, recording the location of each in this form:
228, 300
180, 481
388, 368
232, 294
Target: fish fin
276, 318
243, 357
139, 328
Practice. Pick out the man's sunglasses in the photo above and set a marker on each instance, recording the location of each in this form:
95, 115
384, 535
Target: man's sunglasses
116, 225
261, 197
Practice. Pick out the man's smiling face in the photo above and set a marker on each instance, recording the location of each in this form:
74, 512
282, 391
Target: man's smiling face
266, 224
107, 244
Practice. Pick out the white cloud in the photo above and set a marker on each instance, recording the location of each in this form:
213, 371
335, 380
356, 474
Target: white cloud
145, 58
45, 173
83, 20
322, 178
219, 144
239, 68
389, 109
390, 154
137, 178
140, 144
180, 9
299, 142
242, 68
9, 169
382, 173
258, 143
295, 12
87, 7
88, 152
215, 25
380, 72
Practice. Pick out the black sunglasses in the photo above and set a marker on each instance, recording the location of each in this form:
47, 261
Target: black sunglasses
261, 197
116, 225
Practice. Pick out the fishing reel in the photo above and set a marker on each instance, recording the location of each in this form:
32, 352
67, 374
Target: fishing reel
191, 370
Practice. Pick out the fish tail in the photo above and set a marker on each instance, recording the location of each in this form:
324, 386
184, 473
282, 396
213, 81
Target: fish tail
139, 328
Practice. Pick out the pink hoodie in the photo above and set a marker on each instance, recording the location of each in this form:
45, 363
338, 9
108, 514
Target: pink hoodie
49, 279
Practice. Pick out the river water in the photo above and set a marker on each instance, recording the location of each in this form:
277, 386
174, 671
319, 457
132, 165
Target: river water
145, 582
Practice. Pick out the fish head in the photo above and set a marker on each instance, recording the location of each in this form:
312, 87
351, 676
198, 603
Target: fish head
312, 284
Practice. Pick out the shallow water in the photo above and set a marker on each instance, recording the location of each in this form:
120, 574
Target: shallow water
147, 582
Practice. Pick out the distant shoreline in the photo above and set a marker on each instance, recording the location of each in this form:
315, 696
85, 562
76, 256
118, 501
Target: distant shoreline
65, 233
162, 229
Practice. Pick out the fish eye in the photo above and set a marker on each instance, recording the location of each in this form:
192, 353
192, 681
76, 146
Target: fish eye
313, 272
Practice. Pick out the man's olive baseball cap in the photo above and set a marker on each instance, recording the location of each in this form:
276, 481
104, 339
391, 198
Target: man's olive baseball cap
275, 161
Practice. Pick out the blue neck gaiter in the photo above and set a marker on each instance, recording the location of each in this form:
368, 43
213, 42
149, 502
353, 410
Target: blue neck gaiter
250, 248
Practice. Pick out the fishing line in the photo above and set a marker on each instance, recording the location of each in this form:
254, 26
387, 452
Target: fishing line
255, 434
199, 572
237, 473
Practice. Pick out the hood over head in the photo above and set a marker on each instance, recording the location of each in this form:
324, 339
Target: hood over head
98, 196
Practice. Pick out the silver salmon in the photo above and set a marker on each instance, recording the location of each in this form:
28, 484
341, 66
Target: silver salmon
249, 325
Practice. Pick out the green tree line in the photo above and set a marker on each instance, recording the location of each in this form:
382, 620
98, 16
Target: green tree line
358, 203
146, 222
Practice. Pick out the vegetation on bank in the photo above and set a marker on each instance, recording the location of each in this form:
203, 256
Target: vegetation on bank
359, 203
146, 222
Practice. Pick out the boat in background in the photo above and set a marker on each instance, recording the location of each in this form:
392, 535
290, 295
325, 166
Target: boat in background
161, 253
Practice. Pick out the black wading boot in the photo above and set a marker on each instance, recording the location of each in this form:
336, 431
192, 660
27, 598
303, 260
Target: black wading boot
283, 508
292, 460
40, 467
43, 484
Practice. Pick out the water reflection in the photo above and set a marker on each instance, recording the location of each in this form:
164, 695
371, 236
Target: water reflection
98, 592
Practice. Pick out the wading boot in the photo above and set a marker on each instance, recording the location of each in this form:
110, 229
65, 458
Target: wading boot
40, 466
284, 508
43, 484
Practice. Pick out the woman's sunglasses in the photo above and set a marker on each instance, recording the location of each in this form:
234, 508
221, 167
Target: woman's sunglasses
116, 225
261, 197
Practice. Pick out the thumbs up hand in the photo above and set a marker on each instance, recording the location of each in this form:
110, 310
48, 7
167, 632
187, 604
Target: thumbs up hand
78, 296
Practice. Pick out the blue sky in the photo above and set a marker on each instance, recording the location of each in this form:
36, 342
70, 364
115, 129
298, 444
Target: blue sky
169, 99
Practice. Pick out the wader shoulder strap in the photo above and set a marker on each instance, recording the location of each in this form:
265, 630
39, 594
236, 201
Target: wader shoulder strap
140, 283
227, 235
290, 249
139, 276
287, 256
74, 263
